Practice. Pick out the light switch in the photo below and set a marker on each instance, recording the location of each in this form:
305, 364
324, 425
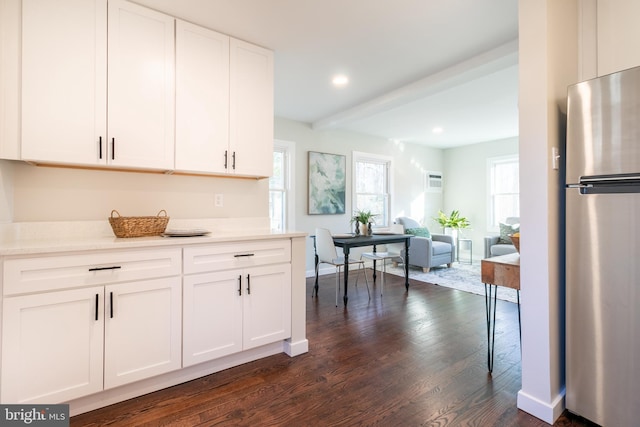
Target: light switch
555, 158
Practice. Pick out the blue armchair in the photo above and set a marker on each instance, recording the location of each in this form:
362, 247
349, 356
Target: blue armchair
427, 252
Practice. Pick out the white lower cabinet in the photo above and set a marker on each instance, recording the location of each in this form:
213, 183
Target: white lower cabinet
212, 316
112, 324
142, 332
230, 311
227, 311
266, 305
52, 346
76, 324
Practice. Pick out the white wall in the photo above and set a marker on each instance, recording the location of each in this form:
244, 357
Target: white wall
407, 195
61, 194
6, 191
466, 185
548, 64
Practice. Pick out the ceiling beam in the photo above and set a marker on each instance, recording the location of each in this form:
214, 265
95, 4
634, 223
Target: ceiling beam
478, 66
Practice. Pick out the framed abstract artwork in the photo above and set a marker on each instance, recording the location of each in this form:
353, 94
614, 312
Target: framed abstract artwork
327, 183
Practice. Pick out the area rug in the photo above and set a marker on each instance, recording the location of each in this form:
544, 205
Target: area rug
463, 277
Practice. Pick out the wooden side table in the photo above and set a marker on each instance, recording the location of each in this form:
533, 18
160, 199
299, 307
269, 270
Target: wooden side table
503, 270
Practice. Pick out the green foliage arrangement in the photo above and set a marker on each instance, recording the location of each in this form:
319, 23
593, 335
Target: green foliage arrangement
454, 220
363, 217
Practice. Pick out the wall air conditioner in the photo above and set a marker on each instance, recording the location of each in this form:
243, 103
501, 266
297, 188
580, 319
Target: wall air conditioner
433, 182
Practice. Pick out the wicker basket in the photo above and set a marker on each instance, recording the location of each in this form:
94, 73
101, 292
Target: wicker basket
138, 226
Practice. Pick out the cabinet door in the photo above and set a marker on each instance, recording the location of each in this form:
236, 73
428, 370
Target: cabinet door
202, 99
142, 330
52, 346
267, 304
251, 109
212, 316
64, 81
141, 87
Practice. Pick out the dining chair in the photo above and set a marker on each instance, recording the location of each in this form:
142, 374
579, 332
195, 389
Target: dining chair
393, 252
327, 254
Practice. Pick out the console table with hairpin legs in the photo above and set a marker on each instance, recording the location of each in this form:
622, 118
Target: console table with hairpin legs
503, 270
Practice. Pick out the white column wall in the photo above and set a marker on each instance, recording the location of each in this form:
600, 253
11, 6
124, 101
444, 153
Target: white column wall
548, 63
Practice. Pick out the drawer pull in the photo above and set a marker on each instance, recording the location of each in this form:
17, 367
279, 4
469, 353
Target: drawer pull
243, 255
97, 297
248, 284
115, 267
111, 304
240, 285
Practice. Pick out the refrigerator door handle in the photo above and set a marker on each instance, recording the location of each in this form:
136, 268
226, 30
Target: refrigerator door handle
579, 185
624, 179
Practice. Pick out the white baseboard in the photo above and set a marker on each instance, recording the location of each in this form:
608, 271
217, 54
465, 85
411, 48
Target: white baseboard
547, 412
296, 348
128, 391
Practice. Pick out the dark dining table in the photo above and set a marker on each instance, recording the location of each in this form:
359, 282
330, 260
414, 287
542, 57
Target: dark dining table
348, 242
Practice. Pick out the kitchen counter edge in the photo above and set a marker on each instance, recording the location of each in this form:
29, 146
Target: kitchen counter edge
47, 246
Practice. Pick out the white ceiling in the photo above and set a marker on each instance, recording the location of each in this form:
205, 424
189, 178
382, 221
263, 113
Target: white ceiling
412, 64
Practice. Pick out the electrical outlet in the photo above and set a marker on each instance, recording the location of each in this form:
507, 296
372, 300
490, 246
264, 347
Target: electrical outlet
218, 200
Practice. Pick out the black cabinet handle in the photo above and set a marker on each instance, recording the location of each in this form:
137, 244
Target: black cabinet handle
100, 147
248, 284
97, 297
115, 267
225, 159
233, 166
113, 148
240, 285
111, 305
242, 255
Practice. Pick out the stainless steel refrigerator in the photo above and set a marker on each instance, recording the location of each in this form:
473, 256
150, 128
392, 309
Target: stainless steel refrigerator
603, 249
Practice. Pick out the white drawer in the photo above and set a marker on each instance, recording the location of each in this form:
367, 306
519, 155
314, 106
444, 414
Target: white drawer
225, 256
26, 275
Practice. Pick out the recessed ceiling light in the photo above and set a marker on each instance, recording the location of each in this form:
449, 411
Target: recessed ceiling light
437, 130
340, 80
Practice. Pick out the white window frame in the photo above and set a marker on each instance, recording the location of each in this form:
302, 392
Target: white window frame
358, 156
289, 151
491, 164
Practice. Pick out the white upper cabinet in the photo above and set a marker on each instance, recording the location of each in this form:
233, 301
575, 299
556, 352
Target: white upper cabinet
64, 81
202, 99
114, 84
251, 110
224, 104
141, 87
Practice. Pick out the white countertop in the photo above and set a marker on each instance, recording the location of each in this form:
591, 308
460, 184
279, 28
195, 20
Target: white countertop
54, 237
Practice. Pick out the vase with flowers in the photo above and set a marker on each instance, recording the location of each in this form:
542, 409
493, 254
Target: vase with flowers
452, 222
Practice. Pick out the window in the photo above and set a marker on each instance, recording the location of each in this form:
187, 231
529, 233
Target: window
280, 187
371, 185
504, 189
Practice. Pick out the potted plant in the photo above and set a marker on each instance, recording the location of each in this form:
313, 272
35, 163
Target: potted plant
363, 220
453, 222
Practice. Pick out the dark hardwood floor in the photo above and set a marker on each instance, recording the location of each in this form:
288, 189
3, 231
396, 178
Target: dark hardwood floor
404, 359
